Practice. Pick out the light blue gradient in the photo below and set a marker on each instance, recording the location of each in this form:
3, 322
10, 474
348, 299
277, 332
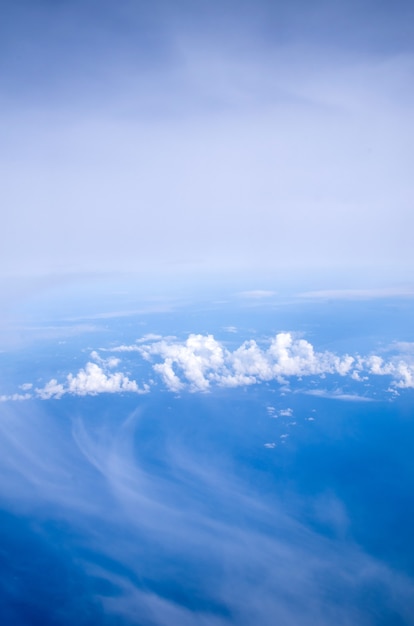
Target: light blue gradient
211, 136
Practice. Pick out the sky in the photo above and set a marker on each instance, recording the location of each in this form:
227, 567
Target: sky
210, 136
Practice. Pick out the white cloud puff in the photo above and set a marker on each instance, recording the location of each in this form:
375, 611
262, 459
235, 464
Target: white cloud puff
202, 360
400, 370
90, 380
15, 397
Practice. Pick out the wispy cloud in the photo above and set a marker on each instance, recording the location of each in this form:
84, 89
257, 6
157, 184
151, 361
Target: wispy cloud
337, 395
359, 294
270, 565
13, 397
257, 294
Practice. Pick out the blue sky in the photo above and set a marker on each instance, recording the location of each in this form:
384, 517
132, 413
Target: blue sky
207, 136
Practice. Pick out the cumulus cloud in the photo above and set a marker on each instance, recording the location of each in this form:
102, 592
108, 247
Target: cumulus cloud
26, 386
90, 380
402, 371
201, 361
15, 397
110, 362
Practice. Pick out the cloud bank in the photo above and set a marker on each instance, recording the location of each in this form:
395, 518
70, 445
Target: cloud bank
201, 362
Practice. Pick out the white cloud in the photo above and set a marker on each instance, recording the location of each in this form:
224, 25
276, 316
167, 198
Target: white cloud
124, 348
136, 347
402, 371
358, 294
202, 360
52, 389
199, 359
111, 362
91, 380
149, 337
257, 294
15, 397
338, 395
406, 347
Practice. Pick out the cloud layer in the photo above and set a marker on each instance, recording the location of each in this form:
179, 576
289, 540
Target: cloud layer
202, 362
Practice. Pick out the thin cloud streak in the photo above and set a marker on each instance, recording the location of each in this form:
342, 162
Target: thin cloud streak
269, 565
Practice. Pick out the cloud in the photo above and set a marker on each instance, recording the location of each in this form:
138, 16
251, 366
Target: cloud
91, 380
196, 512
15, 397
400, 370
26, 386
201, 360
337, 395
110, 362
286, 413
150, 337
257, 294
358, 294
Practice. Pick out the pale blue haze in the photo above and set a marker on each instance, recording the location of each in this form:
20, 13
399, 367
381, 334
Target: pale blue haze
206, 305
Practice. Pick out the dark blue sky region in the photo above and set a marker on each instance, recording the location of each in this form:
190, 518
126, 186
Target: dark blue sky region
49, 46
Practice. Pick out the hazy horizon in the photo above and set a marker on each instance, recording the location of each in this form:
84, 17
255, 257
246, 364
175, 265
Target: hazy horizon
214, 136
